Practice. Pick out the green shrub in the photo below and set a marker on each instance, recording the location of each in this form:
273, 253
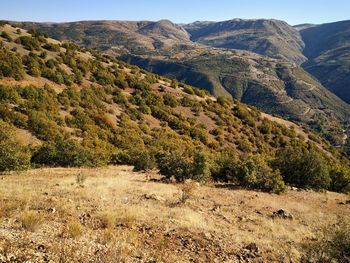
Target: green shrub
13, 155
302, 167
8, 94
174, 164
29, 43
340, 176
188, 90
251, 172
170, 100
190, 165
225, 167
254, 172
52, 47
5, 35
144, 160
10, 64
63, 152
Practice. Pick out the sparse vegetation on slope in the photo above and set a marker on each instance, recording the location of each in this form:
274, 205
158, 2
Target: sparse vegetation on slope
277, 87
89, 109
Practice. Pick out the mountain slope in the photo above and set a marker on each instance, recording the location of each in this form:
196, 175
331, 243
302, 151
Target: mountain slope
269, 37
117, 37
275, 87
53, 90
327, 47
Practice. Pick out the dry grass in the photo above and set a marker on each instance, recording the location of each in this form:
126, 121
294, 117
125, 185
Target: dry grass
118, 214
30, 220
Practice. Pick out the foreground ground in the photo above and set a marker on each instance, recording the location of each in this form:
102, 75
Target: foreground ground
115, 215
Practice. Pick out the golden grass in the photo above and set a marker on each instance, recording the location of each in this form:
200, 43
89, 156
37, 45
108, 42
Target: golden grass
30, 220
122, 215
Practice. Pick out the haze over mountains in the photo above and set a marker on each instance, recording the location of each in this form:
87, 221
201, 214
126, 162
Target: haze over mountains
260, 62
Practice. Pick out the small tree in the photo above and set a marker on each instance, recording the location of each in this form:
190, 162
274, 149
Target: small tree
340, 176
174, 164
302, 167
254, 172
144, 161
13, 155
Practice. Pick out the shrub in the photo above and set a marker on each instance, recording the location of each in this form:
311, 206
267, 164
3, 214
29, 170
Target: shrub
340, 176
42, 126
174, 164
8, 94
29, 43
52, 47
170, 100
188, 90
62, 152
253, 172
225, 167
6, 36
201, 170
193, 165
10, 64
302, 167
13, 155
144, 161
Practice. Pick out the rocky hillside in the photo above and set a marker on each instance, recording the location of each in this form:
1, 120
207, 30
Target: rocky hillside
274, 86
327, 48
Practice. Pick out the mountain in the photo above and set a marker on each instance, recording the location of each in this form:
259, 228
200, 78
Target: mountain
275, 86
118, 37
269, 37
51, 92
327, 48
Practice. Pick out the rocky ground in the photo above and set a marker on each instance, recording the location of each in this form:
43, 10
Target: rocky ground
112, 214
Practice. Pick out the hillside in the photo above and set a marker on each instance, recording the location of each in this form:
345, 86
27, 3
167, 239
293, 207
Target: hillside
77, 107
175, 174
327, 48
118, 37
280, 88
117, 215
269, 37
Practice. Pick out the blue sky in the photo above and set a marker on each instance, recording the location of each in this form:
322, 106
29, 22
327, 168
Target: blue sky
180, 11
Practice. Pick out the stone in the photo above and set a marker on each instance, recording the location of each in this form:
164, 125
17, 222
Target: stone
281, 213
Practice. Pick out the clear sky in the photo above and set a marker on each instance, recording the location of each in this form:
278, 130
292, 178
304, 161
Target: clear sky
180, 11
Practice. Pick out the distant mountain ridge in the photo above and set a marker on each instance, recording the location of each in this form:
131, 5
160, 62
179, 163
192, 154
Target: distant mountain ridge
273, 38
328, 51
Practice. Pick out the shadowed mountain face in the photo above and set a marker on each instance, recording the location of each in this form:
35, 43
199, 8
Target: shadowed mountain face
327, 47
193, 53
272, 38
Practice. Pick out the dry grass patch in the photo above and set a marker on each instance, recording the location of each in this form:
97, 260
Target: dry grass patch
119, 216
74, 229
31, 220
